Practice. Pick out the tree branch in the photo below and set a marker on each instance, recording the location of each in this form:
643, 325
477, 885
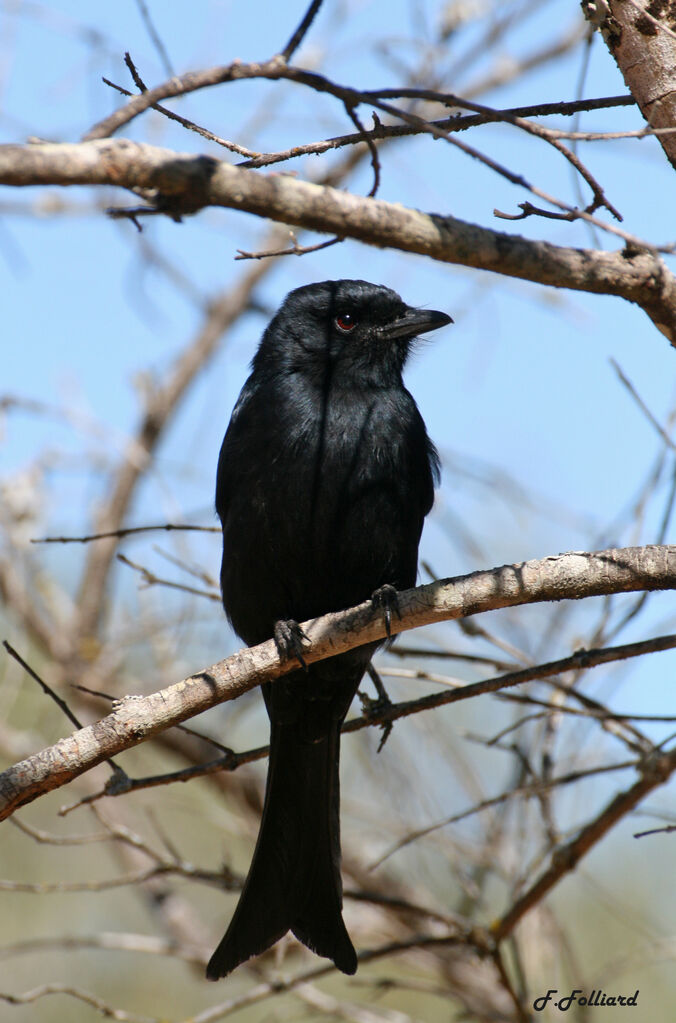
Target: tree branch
185, 183
640, 35
137, 718
655, 771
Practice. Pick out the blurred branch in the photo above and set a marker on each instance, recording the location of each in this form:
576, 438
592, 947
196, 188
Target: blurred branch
15, 594
155, 37
161, 405
150, 579
102, 1007
654, 771
167, 527
111, 941
527, 791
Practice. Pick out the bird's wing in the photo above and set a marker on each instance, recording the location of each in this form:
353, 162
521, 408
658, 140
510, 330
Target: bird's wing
237, 434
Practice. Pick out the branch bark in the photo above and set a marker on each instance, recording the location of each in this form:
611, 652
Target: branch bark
641, 36
186, 183
137, 718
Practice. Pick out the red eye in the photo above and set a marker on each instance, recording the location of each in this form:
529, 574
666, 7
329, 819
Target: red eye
346, 322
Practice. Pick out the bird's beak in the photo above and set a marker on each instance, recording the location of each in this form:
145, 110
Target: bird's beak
414, 322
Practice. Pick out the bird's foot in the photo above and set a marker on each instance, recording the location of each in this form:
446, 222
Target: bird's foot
386, 598
289, 638
376, 710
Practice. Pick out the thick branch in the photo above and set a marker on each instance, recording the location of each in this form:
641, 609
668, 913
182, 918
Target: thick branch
641, 35
566, 576
186, 183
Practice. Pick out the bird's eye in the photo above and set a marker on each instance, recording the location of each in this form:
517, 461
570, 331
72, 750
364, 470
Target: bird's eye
346, 322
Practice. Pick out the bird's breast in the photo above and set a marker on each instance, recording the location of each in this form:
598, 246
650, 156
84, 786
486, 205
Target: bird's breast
331, 509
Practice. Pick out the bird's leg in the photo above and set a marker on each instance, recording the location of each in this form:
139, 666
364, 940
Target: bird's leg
383, 699
289, 637
374, 708
386, 598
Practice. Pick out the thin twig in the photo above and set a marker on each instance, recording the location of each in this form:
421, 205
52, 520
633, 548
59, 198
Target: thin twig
233, 147
155, 36
642, 405
150, 579
299, 34
166, 527
534, 789
294, 250
365, 137
455, 123
98, 1004
119, 775
61, 704
655, 771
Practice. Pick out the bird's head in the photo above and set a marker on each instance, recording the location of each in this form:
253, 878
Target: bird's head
362, 332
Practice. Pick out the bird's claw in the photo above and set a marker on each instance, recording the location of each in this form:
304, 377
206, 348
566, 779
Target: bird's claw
386, 598
374, 709
289, 638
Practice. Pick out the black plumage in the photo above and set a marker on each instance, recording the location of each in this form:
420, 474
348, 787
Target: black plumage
325, 476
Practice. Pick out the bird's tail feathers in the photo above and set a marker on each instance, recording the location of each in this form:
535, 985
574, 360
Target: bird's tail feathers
294, 881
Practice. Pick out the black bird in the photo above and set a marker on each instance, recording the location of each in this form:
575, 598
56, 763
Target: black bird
324, 478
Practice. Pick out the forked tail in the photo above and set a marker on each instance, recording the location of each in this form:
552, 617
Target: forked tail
294, 881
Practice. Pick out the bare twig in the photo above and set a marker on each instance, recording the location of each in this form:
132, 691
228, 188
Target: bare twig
155, 37
150, 579
642, 405
61, 704
351, 98
300, 33
365, 137
455, 123
93, 1001
294, 250
166, 527
233, 147
654, 771
528, 791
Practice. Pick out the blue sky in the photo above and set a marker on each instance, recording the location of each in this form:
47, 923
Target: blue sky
519, 394
522, 381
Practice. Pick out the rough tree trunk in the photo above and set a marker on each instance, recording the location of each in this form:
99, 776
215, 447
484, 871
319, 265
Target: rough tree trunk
641, 35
